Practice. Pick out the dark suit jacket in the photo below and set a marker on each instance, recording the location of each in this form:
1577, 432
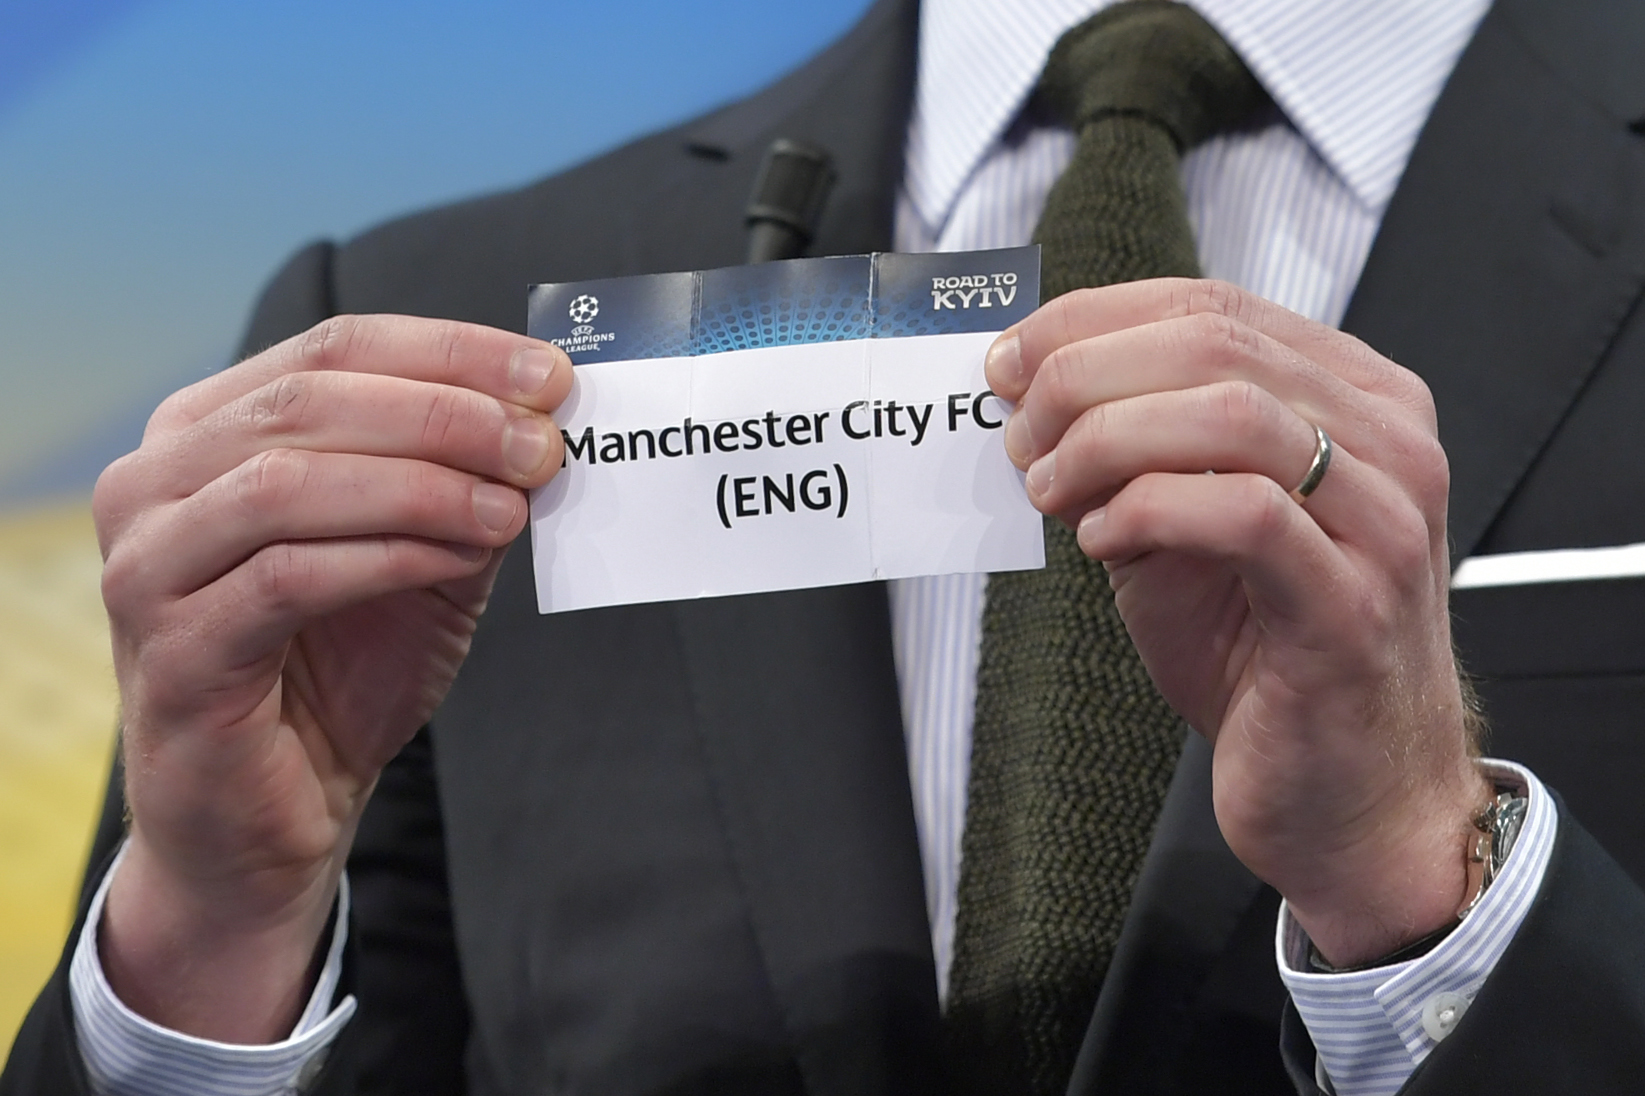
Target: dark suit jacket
670, 848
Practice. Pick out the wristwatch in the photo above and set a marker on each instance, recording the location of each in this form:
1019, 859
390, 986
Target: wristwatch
1496, 828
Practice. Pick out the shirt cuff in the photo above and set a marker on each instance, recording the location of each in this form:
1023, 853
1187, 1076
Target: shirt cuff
1372, 1028
126, 1055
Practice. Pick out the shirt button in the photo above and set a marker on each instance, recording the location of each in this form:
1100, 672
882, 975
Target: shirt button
1442, 1013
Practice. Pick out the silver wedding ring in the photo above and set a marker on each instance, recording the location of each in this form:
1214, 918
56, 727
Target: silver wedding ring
1316, 471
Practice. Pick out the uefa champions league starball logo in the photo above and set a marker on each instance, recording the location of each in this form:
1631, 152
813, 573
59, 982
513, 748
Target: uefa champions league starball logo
584, 309
582, 338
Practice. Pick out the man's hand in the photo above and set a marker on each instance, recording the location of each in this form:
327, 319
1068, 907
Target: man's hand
1309, 642
296, 558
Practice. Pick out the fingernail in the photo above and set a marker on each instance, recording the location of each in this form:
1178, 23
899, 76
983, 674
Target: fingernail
1019, 441
495, 505
525, 445
1091, 526
530, 369
1041, 474
470, 553
1003, 365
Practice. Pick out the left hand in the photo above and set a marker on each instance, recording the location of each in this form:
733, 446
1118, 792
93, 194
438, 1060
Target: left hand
1310, 643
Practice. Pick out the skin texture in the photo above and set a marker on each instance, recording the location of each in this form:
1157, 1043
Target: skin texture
298, 553
295, 560
1310, 643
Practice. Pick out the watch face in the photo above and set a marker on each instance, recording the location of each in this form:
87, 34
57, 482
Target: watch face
1510, 816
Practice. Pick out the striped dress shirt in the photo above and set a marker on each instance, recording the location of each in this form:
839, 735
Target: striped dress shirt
1287, 209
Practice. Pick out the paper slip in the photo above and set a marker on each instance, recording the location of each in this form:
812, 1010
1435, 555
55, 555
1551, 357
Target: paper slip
780, 426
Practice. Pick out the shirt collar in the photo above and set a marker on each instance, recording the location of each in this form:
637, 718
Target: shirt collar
1357, 79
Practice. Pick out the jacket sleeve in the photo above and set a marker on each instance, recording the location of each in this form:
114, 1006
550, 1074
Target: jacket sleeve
411, 1029
1564, 1010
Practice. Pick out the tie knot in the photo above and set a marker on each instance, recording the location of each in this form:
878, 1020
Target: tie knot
1156, 59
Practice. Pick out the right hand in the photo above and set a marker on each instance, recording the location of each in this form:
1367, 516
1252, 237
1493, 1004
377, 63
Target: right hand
295, 560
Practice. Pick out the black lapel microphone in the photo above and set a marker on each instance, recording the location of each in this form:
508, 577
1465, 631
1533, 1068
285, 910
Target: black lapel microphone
788, 198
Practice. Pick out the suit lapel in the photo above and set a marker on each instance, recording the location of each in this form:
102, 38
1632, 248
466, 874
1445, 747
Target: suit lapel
1509, 255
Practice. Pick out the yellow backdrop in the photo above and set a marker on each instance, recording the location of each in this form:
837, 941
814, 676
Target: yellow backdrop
57, 713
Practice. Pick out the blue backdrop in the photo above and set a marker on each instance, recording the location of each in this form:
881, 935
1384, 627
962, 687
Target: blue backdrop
159, 157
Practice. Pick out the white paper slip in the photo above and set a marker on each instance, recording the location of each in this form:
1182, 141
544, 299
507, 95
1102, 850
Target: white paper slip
837, 429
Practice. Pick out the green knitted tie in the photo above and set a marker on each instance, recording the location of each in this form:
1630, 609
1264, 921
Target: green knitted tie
1073, 747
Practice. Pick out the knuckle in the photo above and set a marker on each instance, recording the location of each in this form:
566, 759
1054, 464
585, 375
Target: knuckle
111, 494
1088, 435
455, 340
427, 493
1420, 398
1218, 341
271, 480
402, 558
183, 408
1416, 462
281, 406
1269, 506
121, 583
1057, 315
1209, 296
326, 345
1056, 382
278, 575
123, 492
1430, 474
1139, 506
451, 416
179, 407
1245, 407
1409, 552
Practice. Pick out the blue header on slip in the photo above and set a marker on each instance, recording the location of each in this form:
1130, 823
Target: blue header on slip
876, 296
